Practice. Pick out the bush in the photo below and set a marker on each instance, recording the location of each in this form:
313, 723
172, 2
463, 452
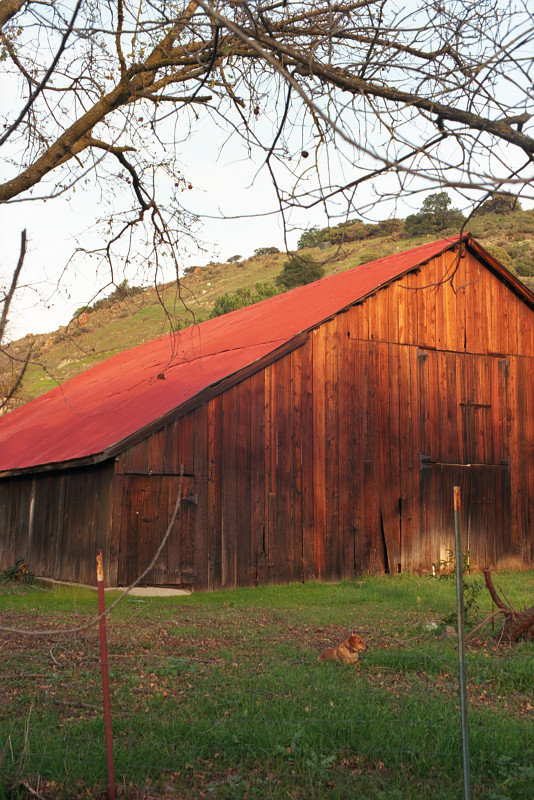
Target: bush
298, 271
502, 255
310, 238
233, 259
522, 255
120, 292
18, 572
245, 296
386, 227
499, 203
353, 231
266, 251
350, 231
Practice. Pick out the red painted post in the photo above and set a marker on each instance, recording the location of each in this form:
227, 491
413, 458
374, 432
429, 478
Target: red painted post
105, 677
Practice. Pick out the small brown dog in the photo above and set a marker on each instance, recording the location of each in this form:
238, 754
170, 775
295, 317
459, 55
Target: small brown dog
347, 651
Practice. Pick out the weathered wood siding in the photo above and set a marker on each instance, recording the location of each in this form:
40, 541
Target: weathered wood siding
57, 520
341, 456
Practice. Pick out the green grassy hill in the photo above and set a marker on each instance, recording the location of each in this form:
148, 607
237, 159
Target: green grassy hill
131, 318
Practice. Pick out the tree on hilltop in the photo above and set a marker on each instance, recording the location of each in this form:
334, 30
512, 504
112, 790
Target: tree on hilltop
435, 216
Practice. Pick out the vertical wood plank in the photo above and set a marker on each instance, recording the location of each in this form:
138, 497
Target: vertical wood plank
345, 387
522, 430
296, 523
363, 320
115, 525
429, 296
283, 556
408, 294
307, 432
136, 458
257, 470
453, 266
393, 297
319, 455
229, 490
490, 298
384, 464
333, 565
271, 486
474, 279
244, 574
170, 449
462, 294
394, 505
407, 456
440, 303
373, 531
215, 469
528, 459
155, 452
375, 318
201, 528
358, 451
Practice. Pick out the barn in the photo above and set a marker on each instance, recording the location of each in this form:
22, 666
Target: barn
320, 433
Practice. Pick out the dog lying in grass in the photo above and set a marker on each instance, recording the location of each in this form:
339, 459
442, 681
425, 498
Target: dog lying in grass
348, 651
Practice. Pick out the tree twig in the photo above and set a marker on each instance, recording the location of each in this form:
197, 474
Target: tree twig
484, 623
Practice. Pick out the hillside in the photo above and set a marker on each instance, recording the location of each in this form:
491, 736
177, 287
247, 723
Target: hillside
92, 336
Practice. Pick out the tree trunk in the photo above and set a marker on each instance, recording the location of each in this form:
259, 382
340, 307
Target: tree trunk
517, 625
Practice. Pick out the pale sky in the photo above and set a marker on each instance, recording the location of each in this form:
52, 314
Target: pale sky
224, 180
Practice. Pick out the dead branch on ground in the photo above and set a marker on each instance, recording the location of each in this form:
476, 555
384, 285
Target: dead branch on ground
517, 624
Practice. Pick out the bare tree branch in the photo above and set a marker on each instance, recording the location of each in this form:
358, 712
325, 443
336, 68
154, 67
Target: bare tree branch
8, 298
8, 9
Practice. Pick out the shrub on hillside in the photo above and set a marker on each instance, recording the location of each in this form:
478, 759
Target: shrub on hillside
350, 231
522, 256
299, 270
502, 255
245, 296
120, 292
386, 227
311, 238
266, 251
499, 203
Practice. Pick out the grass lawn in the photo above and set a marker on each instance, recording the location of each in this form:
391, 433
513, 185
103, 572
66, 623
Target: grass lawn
221, 696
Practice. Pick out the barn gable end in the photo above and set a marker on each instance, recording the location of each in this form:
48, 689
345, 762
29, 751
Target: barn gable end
338, 454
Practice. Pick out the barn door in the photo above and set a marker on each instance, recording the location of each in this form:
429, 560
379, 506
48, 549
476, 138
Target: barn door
485, 495
147, 507
463, 442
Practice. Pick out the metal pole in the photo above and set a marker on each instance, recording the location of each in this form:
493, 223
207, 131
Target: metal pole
461, 642
105, 677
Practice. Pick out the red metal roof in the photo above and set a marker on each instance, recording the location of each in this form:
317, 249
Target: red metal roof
111, 401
